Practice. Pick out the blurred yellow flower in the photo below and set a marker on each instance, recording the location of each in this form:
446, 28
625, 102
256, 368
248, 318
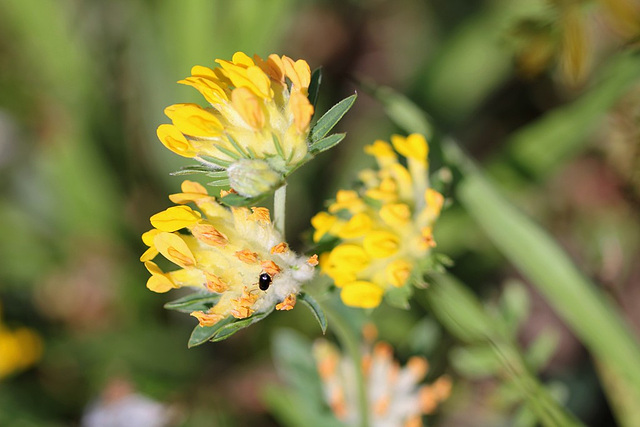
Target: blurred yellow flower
385, 228
256, 125
20, 348
395, 395
234, 253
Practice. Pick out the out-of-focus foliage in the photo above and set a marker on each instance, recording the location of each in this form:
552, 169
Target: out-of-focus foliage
544, 95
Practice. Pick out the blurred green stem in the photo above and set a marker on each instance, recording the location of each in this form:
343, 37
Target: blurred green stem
279, 208
586, 310
350, 341
466, 318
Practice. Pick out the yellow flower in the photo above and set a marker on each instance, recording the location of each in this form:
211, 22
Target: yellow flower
235, 254
20, 348
259, 115
385, 228
395, 394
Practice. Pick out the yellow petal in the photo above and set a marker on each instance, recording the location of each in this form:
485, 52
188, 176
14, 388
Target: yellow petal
395, 214
210, 88
322, 222
175, 218
174, 249
381, 244
298, 72
148, 237
208, 234
382, 151
413, 147
149, 254
241, 58
362, 294
434, 201
248, 106
191, 192
357, 226
302, 111
159, 281
398, 272
175, 141
349, 258
191, 119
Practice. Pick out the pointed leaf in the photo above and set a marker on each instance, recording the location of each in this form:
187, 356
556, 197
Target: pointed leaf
234, 199
314, 86
193, 302
331, 118
315, 308
187, 170
202, 334
326, 143
227, 330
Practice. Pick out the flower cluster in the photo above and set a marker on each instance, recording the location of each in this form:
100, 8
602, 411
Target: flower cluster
234, 255
19, 349
384, 228
395, 396
256, 126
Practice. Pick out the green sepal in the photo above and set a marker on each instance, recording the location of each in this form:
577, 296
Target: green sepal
331, 118
315, 308
193, 302
326, 143
314, 86
236, 200
399, 297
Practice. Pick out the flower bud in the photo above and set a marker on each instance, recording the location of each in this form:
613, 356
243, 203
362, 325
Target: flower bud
251, 178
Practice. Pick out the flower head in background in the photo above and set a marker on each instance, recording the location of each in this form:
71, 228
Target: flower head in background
20, 348
384, 228
395, 396
256, 124
234, 257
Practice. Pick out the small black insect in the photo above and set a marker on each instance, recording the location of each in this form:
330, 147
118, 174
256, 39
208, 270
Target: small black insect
264, 282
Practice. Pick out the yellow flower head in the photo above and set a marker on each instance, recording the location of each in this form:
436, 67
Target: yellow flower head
258, 116
384, 229
396, 397
235, 257
19, 349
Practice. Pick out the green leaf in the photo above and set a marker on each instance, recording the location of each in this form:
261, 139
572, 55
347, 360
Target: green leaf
218, 162
188, 170
542, 349
233, 199
584, 307
202, 334
476, 362
229, 329
314, 86
326, 143
219, 183
331, 118
514, 305
315, 308
193, 302
228, 152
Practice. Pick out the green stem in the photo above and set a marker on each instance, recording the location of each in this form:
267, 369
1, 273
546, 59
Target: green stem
279, 208
350, 342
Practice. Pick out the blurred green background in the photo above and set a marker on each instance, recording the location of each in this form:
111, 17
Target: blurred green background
545, 94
